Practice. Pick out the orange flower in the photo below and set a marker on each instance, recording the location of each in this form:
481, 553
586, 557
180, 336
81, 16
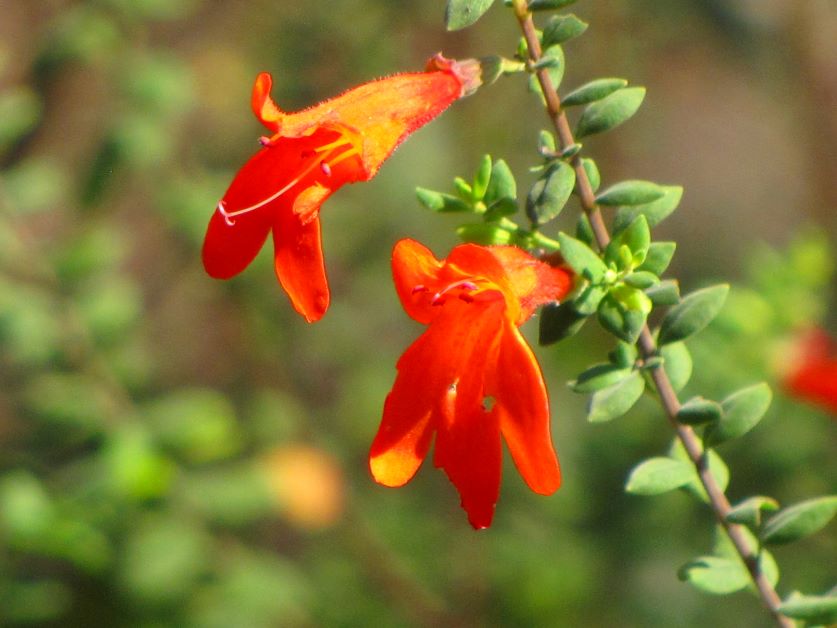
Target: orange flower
812, 375
310, 154
470, 377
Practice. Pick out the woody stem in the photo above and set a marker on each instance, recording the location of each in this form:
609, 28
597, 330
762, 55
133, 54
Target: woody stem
647, 346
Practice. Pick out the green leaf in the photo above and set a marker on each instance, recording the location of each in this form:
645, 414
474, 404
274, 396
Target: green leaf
677, 363
443, 203
561, 28
610, 111
742, 411
636, 237
655, 212
748, 512
592, 171
658, 475
592, 91
584, 230
631, 299
500, 208
615, 401
559, 321
484, 233
813, 609
697, 411
622, 322
641, 279
501, 184
462, 13
716, 575
581, 258
658, 257
799, 520
667, 292
692, 314
481, 178
550, 193
623, 354
464, 189
548, 5
553, 61
546, 143
599, 376
633, 192
587, 302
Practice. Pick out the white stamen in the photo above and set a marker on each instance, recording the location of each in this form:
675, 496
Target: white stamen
322, 163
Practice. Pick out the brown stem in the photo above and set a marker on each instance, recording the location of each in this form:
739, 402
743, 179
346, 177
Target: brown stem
648, 348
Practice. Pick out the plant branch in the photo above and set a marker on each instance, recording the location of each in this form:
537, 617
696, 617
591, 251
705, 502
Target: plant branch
648, 348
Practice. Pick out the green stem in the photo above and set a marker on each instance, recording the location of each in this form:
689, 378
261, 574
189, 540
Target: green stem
648, 348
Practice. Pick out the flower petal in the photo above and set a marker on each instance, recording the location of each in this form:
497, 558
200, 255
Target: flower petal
523, 410
231, 244
468, 441
414, 266
262, 104
403, 438
470, 453
298, 262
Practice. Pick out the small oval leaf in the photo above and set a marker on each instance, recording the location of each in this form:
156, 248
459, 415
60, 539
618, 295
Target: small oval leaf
799, 521
658, 257
633, 192
692, 314
598, 377
561, 28
619, 320
667, 292
658, 475
615, 401
581, 258
559, 321
636, 237
592, 91
501, 185
742, 411
749, 511
442, 203
550, 193
716, 575
484, 233
592, 172
655, 212
697, 411
462, 13
481, 178
677, 363
610, 111
820, 610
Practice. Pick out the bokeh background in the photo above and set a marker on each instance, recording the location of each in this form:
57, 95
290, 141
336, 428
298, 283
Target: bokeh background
179, 451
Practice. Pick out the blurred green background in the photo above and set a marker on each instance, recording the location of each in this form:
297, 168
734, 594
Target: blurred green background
179, 451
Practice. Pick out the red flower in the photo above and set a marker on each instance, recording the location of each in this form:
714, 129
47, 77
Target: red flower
813, 372
310, 154
470, 377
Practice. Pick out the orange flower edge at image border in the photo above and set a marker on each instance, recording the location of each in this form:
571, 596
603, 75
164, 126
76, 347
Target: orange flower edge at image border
310, 154
470, 378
